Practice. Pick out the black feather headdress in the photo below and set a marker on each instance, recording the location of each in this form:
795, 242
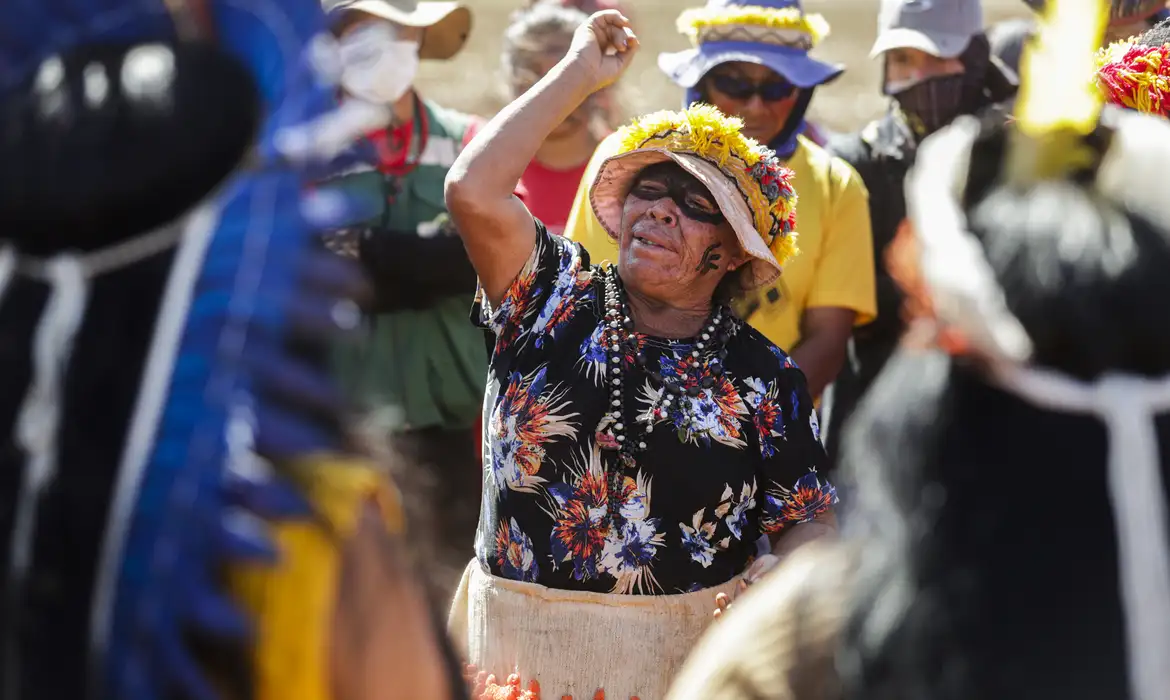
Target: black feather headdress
1009, 466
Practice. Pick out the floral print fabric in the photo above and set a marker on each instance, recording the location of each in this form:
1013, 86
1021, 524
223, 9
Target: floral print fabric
722, 468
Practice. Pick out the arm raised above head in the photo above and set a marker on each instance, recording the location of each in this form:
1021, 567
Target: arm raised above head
495, 226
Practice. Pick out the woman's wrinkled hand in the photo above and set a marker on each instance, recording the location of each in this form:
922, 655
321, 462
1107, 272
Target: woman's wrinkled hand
761, 566
603, 47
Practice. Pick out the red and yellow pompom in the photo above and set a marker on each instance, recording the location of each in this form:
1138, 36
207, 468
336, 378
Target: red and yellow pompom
1134, 76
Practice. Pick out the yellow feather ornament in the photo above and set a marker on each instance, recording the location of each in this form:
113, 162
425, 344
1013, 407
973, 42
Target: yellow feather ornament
693, 22
1057, 106
293, 602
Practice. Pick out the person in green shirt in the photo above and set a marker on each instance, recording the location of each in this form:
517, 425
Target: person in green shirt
420, 367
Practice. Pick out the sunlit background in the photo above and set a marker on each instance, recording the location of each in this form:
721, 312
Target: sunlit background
470, 82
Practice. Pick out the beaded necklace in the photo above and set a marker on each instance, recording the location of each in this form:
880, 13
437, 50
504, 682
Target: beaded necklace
621, 345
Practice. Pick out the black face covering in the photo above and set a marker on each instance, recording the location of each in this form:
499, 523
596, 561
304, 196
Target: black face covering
931, 104
670, 180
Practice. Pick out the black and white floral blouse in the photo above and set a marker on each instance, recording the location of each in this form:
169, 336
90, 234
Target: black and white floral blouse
720, 469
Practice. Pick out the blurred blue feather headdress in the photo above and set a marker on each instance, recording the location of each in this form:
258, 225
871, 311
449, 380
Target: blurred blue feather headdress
190, 495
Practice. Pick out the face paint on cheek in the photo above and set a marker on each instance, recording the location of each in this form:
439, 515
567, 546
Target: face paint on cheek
710, 257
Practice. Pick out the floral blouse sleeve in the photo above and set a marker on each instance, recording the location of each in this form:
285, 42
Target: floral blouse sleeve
541, 298
790, 444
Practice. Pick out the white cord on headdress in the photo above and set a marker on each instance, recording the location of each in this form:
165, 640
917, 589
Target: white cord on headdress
1127, 405
967, 297
68, 276
36, 428
196, 232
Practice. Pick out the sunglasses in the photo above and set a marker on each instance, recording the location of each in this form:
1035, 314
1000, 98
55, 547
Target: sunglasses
742, 89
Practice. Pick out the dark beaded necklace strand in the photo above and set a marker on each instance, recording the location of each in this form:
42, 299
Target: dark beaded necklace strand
620, 342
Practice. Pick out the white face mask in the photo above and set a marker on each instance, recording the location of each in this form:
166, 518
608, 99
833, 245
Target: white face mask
376, 65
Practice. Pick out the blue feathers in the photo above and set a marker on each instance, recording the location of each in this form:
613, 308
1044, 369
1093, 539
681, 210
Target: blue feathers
33, 30
260, 279
269, 36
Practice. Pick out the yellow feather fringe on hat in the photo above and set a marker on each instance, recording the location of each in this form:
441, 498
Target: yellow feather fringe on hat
759, 177
699, 23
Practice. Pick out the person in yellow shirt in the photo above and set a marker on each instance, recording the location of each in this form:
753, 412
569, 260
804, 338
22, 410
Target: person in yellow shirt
752, 61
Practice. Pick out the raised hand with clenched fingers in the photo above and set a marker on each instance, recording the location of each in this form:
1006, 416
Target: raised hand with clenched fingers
603, 47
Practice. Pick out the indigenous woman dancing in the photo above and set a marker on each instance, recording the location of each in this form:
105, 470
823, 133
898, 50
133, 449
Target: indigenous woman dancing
639, 438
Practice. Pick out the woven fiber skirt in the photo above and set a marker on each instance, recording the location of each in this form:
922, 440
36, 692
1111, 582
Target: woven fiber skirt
575, 643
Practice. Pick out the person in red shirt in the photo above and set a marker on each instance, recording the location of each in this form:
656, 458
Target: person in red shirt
537, 39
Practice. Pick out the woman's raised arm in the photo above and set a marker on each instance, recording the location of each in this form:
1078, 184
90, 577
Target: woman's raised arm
495, 226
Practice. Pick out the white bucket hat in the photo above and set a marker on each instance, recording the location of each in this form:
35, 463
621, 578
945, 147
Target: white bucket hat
447, 24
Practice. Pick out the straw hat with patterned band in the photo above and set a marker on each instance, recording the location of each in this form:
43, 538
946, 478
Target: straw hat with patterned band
776, 34
752, 188
445, 25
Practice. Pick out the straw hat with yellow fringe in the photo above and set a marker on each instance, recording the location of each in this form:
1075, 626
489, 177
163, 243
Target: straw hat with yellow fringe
752, 188
1062, 134
776, 34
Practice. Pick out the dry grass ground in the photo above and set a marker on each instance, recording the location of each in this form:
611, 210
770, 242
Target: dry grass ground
470, 82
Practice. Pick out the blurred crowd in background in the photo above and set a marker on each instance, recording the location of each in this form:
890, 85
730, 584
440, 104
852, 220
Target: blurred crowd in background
845, 105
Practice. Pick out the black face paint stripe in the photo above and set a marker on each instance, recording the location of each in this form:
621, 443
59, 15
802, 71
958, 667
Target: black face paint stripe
710, 257
678, 184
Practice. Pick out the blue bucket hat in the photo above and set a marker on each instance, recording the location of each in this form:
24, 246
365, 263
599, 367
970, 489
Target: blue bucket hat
776, 34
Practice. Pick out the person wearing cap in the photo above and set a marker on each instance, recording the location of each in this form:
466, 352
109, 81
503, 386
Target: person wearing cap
640, 438
936, 65
751, 59
419, 365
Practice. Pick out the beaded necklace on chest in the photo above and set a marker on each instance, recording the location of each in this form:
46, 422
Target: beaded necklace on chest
704, 365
